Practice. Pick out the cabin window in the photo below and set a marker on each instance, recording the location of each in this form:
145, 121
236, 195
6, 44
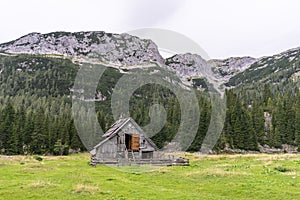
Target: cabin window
147, 154
142, 140
143, 143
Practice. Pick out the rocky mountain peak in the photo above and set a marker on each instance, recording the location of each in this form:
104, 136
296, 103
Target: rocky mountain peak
187, 65
119, 49
232, 65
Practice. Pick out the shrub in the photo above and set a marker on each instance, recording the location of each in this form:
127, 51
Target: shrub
281, 169
38, 158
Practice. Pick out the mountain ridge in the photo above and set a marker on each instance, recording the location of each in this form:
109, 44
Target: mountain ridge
126, 50
121, 49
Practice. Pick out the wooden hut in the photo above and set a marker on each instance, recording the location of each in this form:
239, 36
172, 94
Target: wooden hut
125, 140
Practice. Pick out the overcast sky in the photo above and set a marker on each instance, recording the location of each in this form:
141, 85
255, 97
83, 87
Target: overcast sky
223, 28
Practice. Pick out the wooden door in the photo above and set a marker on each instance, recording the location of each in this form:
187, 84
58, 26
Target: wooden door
135, 142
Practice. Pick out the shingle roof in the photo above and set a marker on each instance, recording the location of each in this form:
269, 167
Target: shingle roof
116, 126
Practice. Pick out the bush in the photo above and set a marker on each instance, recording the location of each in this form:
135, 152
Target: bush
60, 149
38, 158
281, 169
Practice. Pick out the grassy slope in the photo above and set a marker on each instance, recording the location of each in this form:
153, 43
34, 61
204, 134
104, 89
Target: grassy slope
208, 177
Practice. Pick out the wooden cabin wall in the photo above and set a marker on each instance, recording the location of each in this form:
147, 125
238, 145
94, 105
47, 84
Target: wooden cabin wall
130, 129
108, 149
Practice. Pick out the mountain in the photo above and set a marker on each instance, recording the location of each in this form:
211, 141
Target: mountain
126, 50
278, 69
194, 70
119, 49
123, 50
230, 67
190, 68
37, 74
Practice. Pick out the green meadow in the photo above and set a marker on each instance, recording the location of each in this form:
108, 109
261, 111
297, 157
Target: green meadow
259, 176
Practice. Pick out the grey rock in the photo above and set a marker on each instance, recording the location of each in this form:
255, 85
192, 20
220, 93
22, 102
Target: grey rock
227, 68
119, 49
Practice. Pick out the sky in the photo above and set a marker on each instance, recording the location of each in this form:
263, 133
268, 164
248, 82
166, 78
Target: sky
223, 28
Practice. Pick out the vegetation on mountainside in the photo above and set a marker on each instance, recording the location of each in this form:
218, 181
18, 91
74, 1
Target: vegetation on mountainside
35, 108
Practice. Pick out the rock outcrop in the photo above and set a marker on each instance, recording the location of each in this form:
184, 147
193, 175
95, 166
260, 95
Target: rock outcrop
119, 49
227, 68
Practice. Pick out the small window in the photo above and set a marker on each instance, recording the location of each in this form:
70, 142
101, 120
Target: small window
147, 155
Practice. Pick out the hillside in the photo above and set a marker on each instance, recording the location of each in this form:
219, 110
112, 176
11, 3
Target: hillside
37, 74
277, 69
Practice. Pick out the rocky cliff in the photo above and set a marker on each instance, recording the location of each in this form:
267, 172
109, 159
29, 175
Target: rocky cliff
119, 49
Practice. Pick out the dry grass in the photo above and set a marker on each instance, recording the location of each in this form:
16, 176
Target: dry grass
163, 170
262, 157
4, 159
42, 184
83, 188
215, 172
291, 173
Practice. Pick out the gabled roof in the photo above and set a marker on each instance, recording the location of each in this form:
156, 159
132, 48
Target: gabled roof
118, 125
115, 127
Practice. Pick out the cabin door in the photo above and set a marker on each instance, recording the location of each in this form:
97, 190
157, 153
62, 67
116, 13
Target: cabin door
132, 142
135, 143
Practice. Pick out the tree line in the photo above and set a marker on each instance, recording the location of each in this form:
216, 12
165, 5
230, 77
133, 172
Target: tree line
35, 110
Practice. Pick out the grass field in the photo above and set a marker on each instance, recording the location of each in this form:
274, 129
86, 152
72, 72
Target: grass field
208, 177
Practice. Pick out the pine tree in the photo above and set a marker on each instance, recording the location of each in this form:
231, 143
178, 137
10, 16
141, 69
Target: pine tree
7, 136
297, 121
258, 121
